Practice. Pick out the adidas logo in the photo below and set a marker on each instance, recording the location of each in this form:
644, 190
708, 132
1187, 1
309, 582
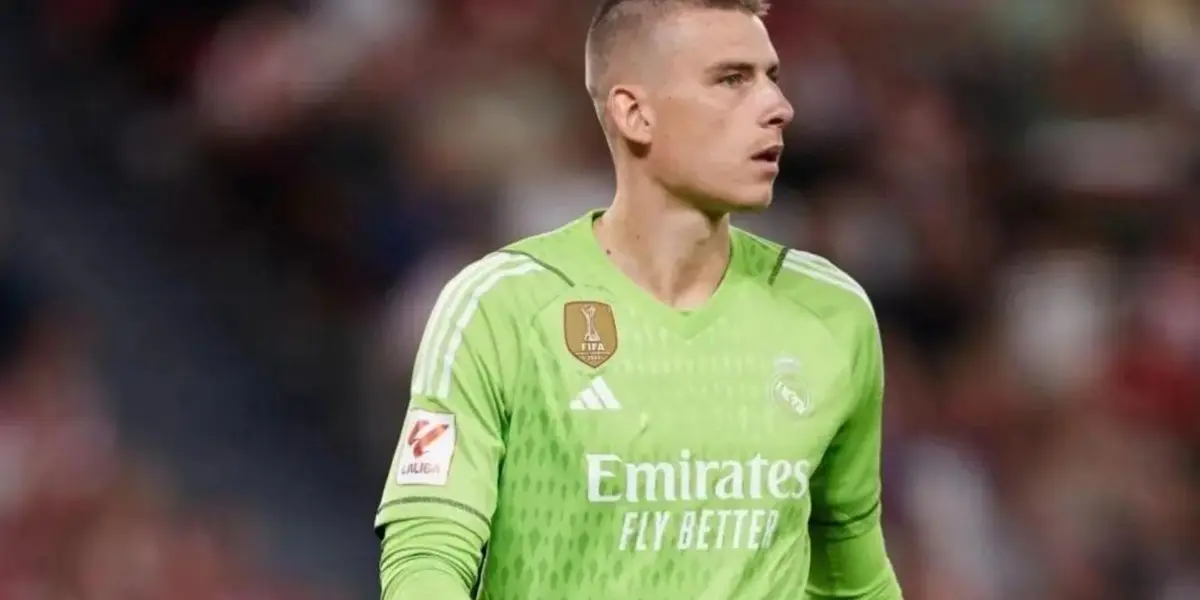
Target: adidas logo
597, 396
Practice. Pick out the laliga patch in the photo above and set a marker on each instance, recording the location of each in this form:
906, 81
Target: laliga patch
426, 448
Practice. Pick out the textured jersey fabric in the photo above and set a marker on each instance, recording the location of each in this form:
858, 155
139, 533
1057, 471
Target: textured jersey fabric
603, 445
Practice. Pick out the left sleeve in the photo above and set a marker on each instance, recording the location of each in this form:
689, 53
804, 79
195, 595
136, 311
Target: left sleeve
849, 559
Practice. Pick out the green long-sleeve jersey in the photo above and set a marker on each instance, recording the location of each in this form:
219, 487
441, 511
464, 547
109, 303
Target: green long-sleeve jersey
570, 437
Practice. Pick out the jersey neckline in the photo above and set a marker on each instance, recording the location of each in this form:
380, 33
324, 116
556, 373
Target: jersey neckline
687, 323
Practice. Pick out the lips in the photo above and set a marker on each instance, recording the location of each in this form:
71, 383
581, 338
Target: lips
769, 154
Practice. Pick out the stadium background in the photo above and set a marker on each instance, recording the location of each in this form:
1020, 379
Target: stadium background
223, 223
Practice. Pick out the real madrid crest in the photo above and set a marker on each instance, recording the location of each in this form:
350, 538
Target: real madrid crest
590, 330
786, 387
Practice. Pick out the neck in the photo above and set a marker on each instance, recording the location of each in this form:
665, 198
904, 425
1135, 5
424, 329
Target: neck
670, 248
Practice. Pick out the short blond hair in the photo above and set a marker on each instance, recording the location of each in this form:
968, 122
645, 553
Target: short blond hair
616, 21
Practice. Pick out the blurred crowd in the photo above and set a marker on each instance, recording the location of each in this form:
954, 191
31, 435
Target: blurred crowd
81, 516
1015, 182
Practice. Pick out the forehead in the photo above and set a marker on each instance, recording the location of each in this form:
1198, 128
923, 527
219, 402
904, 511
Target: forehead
699, 38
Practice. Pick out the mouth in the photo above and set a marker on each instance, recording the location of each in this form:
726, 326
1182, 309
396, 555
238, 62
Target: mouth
770, 154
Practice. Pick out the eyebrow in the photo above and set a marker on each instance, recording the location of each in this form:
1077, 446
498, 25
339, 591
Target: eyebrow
741, 66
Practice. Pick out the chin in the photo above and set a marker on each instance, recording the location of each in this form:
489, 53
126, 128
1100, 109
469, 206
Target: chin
747, 199
749, 202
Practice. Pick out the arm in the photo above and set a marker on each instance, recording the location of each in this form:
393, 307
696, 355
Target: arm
429, 558
435, 516
849, 559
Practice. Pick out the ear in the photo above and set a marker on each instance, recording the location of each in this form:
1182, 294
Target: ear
631, 114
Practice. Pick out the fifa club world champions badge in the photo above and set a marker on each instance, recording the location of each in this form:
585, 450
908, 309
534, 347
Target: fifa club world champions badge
590, 329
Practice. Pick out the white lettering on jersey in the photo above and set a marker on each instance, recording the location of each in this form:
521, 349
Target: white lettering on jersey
738, 484
610, 479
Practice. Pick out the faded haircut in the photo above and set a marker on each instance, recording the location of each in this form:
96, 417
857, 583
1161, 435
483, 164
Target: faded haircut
617, 22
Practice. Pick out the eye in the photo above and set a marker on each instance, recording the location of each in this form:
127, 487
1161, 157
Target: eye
732, 79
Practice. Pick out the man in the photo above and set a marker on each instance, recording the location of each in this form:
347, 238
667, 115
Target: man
648, 403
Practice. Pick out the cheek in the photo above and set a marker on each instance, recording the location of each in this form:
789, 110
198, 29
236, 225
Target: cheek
695, 139
689, 120
679, 140
702, 137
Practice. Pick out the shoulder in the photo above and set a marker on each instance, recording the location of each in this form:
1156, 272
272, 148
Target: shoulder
812, 283
551, 247
821, 285
756, 257
503, 282
516, 279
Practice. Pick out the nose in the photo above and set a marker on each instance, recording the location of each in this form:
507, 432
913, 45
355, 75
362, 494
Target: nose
779, 112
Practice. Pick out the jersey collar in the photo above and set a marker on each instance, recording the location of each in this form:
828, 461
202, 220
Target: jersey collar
686, 323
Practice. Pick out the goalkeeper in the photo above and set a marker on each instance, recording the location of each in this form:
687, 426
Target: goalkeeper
648, 403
